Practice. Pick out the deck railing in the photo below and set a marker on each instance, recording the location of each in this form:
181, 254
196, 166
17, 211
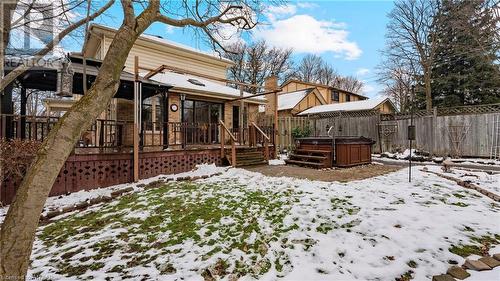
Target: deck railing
113, 135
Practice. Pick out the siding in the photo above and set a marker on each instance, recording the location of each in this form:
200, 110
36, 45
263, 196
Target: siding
152, 58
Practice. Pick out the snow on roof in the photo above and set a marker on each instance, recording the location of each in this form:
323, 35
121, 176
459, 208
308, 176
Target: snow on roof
290, 100
193, 83
345, 106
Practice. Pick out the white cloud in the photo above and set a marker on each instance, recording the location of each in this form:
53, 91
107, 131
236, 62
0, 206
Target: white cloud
282, 9
305, 34
371, 90
307, 5
362, 71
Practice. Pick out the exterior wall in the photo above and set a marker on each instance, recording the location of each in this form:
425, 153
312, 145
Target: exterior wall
309, 101
386, 107
294, 86
151, 56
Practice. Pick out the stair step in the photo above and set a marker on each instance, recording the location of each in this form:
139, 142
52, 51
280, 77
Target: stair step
289, 161
293, 155
251, 163
313, 151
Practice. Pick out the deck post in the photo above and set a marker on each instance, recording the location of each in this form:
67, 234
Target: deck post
22, 111
222, 142
233, 153
136, 119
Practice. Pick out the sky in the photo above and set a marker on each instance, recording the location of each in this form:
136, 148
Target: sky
347, 34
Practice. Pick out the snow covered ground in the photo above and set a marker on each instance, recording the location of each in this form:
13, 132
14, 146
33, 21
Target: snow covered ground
245, 224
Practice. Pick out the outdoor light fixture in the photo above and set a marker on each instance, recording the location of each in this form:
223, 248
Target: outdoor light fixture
183, 97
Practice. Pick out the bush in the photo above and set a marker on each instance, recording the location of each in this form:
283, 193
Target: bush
299, 132
16, 156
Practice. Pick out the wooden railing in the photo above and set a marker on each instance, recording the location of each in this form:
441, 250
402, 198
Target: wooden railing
223, 141
264, 136
115, 136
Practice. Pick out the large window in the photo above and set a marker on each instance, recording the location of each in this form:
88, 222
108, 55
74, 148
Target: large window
195, 111
335, 96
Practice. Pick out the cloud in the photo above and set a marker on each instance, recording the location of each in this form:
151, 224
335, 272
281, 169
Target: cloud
371, 90
362, 71
306, 34
307, 5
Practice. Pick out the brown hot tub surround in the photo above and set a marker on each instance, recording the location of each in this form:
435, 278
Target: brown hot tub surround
325, 152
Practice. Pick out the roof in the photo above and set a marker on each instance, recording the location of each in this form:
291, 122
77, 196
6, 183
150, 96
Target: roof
190, 83
162, 41
319, 85
346, 106
290, 100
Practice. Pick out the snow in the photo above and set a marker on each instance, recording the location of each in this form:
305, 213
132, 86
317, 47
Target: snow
59, 202
180, 82
280, 161
345, 106
290, 100
377, 226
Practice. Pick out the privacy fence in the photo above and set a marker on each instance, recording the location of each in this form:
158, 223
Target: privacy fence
466, 131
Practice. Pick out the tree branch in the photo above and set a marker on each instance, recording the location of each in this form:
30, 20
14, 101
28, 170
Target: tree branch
9, 78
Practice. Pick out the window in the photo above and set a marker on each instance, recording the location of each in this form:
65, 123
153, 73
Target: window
335, 96
151, 113
201, 112
347, 97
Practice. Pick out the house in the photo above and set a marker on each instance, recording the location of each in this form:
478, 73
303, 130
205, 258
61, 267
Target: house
193, 99
383, 105
330, 94
291, 103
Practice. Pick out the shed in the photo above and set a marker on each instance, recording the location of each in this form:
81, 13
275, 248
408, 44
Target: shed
295, 102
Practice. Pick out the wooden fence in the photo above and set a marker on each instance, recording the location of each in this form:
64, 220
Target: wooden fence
468, 131
285, 127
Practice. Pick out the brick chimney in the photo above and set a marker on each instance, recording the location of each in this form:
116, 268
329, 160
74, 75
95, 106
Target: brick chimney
270, 84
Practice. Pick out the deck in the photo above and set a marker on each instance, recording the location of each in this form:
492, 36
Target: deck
104, 154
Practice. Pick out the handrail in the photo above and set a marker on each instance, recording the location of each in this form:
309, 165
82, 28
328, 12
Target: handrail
261, 132
227, 130
266, 141
222, 143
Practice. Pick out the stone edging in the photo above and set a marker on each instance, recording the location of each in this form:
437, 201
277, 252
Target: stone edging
469, 185
459, 272
46, 219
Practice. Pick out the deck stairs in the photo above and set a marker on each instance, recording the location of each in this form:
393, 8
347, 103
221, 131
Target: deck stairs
247, 156
310, 157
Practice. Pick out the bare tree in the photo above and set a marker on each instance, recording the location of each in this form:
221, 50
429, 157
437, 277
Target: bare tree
410, 38
314, 69
397, 78
308, 69
18, 229
348, 83
255, 62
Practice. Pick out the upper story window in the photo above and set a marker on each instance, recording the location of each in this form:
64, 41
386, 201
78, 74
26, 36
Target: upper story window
335, 96
347, 97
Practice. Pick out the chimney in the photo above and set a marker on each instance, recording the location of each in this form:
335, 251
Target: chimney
270, 84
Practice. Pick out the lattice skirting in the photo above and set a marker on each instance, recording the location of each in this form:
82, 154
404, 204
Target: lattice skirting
85, 172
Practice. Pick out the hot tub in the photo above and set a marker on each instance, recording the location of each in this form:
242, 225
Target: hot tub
325, 152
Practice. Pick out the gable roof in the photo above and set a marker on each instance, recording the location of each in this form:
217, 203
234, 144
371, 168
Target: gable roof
189, 83
347, 106
291, 99
319, 85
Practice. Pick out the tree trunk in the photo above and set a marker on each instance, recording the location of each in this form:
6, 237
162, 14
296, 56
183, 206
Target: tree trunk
428, 91
19, 227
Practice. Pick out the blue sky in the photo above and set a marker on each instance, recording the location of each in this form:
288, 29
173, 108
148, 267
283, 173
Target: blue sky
347, 34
